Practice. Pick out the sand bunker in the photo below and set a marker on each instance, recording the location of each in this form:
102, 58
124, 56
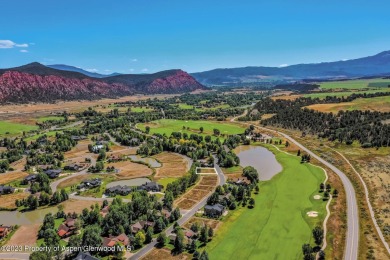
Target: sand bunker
312, 214
317, 197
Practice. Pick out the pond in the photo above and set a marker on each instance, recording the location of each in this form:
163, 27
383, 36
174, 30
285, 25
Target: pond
25, 218
261, 159
132, 182
151, 161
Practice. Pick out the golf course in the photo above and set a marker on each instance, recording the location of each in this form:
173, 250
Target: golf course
278, 225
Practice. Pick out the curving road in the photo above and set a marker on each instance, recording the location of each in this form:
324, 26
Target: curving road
352, 238
146, 249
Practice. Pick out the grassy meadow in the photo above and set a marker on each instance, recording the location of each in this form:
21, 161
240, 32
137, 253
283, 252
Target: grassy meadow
356, 84
15, 128
167, 126
277, 227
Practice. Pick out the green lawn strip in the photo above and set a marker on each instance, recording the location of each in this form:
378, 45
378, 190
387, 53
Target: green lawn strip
344, 93
165, 181
355, 84
15, 128
46, 118
278, 225
167, 126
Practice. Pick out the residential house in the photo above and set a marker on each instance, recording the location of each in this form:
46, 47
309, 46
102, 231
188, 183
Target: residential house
6, 190
140, 225
189, 233
85, 256
30, 178
151, 186
4, 230
96, 148
53, 173
67, 228
89, 184
172, 238
121, 190
104, 211
113, 240
214, 210
241, 181
78, 137
72, 167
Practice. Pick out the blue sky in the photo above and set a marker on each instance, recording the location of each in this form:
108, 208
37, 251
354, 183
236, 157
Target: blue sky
137, 36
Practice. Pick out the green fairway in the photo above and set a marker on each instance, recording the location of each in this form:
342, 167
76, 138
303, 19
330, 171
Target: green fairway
15, 128
356, 84
46, 118
278, 225
140, 109
167, 126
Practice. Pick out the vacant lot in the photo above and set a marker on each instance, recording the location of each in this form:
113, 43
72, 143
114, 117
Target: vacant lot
79, 151
26, 235
173, 165
374, 104
128, 169
167, 126
15, 128
12, 176
279, 215
165, 254
8, 201
77, 206
205, 186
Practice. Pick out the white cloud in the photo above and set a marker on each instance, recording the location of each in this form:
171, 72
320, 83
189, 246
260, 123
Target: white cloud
134, 60
144, 70
283, 65
131, 70
92, 70
7, 44
23, 50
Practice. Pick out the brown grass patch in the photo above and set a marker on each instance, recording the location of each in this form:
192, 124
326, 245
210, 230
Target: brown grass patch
77, 206
286, 97
8, 201
12, 176
25, 235
128, 169
79, 151
19, 165
157, 254
209, 180
173, 165
73, 181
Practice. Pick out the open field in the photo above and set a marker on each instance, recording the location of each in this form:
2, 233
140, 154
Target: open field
8, 201
279, 215
189, 199
374, 104
26, 235
14, 128
12, 176
356, 84
128, 169
344, 93
41, 109
173, 165
165, 254
80, 150
77, 206
167, 126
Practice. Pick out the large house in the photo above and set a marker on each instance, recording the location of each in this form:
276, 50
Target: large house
85, 256
151, 186
30, 178
72, 167
78, 137
214, 211
241, 181
67, 228
140, 225
97, 148
112, 240
4, 230
6, 190
89, 184
121, 190
53, 173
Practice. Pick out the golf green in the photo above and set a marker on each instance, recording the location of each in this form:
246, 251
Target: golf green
278, 226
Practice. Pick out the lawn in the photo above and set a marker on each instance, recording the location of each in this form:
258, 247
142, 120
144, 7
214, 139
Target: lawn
46, 118
167, 126
165, 181
15, 128
278, 225
356, 84
373, 104
35, 137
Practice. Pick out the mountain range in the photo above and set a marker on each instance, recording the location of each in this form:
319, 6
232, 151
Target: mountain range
35, 82
80, 70
376, 65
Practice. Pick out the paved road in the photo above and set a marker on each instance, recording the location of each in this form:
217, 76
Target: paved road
352, 238
145, 250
